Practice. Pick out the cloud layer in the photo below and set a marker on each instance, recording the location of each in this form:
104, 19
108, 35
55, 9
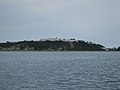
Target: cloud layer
81, 19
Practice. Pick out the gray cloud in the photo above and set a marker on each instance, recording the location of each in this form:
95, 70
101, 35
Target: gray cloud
82, 19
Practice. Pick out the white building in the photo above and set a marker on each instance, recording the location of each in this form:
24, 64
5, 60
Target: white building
51, 39
69, 40
59, 39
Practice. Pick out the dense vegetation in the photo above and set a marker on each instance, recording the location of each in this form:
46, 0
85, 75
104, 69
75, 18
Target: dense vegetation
50, 46
118, 49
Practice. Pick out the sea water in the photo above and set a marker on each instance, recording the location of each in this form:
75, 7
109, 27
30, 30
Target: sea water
59, 70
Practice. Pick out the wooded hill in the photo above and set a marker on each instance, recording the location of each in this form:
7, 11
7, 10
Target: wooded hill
79, 45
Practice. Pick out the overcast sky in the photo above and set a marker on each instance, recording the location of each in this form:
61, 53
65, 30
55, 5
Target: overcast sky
79, 19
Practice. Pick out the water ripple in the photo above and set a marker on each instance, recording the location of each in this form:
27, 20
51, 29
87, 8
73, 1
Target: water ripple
59, 71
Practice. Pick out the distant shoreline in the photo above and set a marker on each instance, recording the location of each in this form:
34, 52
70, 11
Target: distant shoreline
54, 44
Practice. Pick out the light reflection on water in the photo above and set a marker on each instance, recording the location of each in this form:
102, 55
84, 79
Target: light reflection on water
59, 70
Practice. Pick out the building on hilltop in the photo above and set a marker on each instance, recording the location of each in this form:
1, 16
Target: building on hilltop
58, 39
51, 39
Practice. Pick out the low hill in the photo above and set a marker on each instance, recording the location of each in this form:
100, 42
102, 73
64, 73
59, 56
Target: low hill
79, 45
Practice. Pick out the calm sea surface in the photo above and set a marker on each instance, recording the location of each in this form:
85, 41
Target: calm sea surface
59, 70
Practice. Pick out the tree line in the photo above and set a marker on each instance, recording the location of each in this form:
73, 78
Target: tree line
53, 46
